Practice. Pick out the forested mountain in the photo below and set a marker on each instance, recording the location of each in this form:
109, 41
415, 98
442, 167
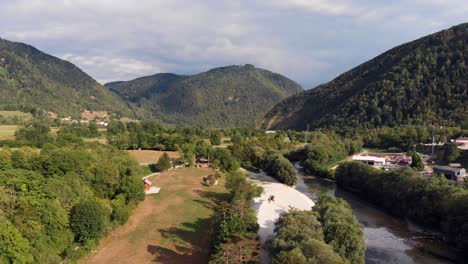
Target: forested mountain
232, 96
422, 81
30, 79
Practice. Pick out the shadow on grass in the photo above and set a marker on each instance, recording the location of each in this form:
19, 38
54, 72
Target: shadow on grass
165, 255
196, 234
215, 197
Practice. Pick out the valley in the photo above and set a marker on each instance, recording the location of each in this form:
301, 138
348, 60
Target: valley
150, 137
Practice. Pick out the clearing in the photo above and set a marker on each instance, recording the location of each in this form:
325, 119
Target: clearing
7, 131
17, 114
146, 157
170, 227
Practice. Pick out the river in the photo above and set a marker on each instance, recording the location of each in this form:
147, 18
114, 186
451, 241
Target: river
388, 239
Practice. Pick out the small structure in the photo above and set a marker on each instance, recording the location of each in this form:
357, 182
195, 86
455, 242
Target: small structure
371, 160
203, 163
147, 183
52, 115
211, 179
461, 140
454, 174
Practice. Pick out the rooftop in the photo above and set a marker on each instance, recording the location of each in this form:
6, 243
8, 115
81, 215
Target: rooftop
448, 168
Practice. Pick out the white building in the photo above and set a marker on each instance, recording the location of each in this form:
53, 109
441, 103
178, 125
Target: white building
374, 161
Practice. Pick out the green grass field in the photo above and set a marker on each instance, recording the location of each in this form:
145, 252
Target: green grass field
101, 140
7, 131
170, 227
226, 141
18, 114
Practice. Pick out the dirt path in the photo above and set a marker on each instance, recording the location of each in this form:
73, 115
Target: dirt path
169, 227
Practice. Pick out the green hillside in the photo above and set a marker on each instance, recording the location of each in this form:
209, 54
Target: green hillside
31, 79
422, 81
233, 96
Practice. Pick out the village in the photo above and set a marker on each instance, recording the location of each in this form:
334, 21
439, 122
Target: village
453, 172
101, 118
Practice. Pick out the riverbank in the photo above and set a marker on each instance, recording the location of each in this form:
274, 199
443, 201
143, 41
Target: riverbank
285, 198
388, 239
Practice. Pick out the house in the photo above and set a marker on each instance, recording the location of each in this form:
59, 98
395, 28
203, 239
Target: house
454, 174
102, 123
371, 160
52, 115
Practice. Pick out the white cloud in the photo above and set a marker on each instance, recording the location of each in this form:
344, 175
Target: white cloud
308, 40
324, 7
113, 68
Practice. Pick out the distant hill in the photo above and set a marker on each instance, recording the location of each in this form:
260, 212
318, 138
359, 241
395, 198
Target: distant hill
422, 81
232, 96
31, 79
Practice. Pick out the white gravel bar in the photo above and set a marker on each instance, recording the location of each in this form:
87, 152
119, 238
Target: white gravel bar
268, 212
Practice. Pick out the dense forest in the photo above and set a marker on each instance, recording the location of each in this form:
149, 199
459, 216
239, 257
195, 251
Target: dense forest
312, 236
430, 201
31, 79
232, 96
59, 200
420, 82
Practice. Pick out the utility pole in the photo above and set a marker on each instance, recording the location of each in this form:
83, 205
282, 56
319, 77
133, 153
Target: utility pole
433, 141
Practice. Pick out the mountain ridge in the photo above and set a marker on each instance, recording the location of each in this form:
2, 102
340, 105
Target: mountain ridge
229, 96
30, 78
381, 88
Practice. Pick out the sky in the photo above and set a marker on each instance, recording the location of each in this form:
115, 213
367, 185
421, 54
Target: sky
309, 41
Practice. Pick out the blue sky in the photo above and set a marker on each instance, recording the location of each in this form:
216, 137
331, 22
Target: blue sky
309, 41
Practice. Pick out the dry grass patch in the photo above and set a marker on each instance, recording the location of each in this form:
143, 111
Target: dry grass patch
170, 227
151, 156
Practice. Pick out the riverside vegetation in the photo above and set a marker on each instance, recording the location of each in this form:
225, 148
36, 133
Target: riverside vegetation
432, 201
311, 236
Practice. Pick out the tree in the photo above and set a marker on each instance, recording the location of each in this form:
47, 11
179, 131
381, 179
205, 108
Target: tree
14, 248
451, 152
164, 163
416, 161
215, 138
5, 159
292, 256
87, 221
340, 228
279, 167
36, 135
188, 153
299, 239
223, 160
